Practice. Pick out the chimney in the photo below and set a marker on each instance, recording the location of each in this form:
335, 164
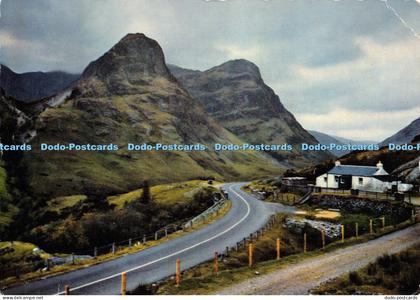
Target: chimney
379, 165
337, 163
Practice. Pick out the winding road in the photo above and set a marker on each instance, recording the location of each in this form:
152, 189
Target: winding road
247, 215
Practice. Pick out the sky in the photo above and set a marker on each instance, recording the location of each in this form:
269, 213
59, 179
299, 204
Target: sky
349, 68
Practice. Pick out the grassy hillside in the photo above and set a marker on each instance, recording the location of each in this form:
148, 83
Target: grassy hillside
7, 209
166, 194
78, 223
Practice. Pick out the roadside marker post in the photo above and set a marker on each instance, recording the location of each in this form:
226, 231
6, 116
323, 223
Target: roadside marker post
383, 222
304, 242
323, 238
123, 283
370, 226
342, 233
357, 230
216, 263
178, 272
66, 290
250, 254
278, 248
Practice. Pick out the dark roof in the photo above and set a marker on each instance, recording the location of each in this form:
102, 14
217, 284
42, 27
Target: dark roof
386, 178
353, 170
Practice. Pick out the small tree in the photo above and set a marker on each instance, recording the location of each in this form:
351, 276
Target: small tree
146, 198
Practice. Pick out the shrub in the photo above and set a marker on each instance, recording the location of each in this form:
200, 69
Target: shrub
355, 278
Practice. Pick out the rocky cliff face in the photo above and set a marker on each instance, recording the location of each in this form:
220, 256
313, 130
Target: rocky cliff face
405, 135
32, 86
129, 96
235, 95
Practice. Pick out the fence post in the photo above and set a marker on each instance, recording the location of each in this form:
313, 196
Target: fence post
304, 242
47, 264
144, 238
250, 254
178, 272
370, 226
342, 233
357, 230
66, 290
123, 283
156, 236
216, 263
113, 248
323, 238
278, 248
129, 243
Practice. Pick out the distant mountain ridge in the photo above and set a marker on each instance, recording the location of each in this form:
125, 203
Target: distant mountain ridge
405, 135
324, 138
32, 86
235, 94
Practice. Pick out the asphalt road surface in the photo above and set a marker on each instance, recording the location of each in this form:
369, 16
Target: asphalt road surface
247, 215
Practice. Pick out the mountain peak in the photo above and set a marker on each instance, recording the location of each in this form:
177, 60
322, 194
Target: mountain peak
238, 66
133, 59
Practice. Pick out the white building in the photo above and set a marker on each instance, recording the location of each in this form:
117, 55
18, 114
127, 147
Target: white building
364, 178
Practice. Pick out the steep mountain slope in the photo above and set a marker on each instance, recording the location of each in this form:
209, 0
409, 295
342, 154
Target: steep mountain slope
33, 85
235, 95
129, 96
405, 135
324, 138
327, 139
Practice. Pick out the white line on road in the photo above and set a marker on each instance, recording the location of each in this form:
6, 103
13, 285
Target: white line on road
175, 253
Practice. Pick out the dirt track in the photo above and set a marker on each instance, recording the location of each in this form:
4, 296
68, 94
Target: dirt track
301, 277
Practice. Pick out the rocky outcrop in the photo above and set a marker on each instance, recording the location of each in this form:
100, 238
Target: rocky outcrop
128, 95
235, 94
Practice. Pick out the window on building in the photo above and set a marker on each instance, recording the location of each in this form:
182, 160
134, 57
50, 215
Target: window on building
336, 178
360, 180
325, 179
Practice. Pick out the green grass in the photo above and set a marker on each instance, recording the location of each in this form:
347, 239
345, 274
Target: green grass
7, 210
57, 204
388, 275
167, 194
21, 252
134, 118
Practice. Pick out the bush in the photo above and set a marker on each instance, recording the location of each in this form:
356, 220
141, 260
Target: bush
355, 278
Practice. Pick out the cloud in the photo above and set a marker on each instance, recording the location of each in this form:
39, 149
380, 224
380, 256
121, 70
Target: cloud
316, 55
381, 79
359, 125
235, 52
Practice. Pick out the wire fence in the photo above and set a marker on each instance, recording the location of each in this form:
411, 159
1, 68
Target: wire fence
39, 265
